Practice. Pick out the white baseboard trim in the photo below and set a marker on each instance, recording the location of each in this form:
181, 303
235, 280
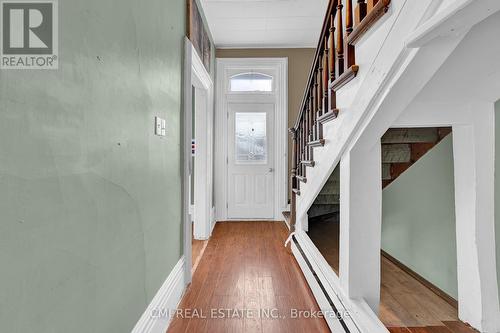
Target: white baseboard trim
157, 316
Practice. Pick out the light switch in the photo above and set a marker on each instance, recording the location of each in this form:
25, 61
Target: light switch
157, 125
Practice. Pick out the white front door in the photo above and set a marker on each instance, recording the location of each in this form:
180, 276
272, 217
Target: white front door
250, 161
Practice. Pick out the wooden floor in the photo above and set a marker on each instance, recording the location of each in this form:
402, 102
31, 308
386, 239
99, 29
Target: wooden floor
406, 305
246, 266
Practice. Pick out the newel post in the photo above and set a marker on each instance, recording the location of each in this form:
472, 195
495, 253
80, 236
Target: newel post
293, 180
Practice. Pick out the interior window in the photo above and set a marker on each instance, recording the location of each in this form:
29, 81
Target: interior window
251, 82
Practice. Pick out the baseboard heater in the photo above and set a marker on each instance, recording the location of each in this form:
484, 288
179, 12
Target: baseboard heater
327, 296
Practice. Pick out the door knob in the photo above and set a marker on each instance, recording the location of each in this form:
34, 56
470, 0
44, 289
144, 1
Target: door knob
271, 169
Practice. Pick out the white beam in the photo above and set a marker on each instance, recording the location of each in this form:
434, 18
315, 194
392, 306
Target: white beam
361, 224
474, 158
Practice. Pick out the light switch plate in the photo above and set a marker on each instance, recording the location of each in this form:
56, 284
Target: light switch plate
157, 125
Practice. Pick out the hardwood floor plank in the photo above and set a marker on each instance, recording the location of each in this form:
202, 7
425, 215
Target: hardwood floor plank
245, 265
398, 330
459, 327
438, 329
405, 301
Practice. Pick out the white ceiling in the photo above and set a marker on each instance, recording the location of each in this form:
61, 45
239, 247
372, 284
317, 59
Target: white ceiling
265, 23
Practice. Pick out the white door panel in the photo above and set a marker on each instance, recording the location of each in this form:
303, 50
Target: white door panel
251, 161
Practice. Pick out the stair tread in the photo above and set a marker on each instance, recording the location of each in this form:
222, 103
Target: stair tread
396, 153
410, 135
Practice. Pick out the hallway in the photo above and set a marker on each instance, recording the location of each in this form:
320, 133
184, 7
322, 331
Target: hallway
246, 266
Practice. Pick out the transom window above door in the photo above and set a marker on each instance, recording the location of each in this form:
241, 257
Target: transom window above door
251, 82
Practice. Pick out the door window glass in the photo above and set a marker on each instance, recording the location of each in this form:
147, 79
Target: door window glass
251, 137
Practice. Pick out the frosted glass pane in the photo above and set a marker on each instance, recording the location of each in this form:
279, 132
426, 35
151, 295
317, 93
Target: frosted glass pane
249, 82
251, 137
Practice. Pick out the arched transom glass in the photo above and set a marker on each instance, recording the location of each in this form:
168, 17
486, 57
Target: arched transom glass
251, 82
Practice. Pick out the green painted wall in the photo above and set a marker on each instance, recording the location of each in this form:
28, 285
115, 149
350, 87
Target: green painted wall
418, 225
90, 200
497, 188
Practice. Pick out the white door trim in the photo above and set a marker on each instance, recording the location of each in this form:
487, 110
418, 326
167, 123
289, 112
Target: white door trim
280, 130
196, 75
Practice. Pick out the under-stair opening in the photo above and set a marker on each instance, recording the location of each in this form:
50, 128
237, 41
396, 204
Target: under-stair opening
324, 220
419, 284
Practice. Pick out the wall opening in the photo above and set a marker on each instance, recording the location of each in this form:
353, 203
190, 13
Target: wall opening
419, 258
324, 220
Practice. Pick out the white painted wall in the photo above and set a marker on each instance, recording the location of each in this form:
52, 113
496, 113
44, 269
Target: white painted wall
464, 96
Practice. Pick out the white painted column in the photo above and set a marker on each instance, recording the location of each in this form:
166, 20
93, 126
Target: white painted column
360, 224
474, 163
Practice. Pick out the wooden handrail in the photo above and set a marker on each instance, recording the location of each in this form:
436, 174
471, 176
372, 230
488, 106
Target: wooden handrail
330, 11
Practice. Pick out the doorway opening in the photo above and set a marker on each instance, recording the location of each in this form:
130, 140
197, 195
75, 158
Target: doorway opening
251, 139
197, 171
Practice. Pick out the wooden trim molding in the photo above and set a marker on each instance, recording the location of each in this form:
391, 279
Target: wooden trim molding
328, 116
345, 78
373, 16
167, 298
436, 290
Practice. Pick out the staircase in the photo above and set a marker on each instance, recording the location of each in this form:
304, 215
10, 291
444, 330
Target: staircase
333, 67
328, 201
372, 60
401, 148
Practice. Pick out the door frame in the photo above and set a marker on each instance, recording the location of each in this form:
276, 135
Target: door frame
280, 65
195, 75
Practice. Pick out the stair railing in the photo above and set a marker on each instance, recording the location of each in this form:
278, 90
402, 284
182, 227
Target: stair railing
333, 67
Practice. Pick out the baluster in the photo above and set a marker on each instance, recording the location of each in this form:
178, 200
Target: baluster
371, 4
314, 122
304, 151
299, 152
359, 12
326, 76
311, 107
340, 40
307, 133
319, 79
349, 49
311, 126
331, 47
314, 94
293, 180
306, 122
304, 148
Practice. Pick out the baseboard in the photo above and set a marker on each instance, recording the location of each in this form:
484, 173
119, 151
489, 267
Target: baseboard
157, 316
212, 220
361, 318
435, 289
